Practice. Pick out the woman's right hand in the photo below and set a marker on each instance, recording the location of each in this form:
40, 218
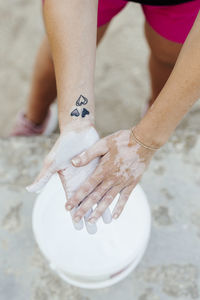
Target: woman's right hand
71, 142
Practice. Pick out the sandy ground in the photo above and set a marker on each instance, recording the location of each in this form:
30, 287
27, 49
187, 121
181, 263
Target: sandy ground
171, 266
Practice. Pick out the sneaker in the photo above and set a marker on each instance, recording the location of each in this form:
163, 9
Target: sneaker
25, 127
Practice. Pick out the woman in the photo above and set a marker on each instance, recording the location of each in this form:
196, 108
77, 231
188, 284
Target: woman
71, 29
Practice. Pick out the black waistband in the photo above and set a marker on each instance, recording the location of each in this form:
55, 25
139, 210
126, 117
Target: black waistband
160, 2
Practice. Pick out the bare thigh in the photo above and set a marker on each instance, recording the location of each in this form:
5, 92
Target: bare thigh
163, 56
101, 32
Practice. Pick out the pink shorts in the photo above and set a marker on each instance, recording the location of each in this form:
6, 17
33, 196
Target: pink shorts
171, 22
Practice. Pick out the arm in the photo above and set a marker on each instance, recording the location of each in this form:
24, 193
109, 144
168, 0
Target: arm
180, 92
71, 28
126, 154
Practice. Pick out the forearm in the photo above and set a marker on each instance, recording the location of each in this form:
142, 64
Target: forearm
71, 28
180, 92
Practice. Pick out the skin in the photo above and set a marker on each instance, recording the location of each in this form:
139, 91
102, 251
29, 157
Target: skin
43, 90
163, 55
72, 67
122, 159
67, 79
178, 95
122, 163
176, 98
59, 161
162, 58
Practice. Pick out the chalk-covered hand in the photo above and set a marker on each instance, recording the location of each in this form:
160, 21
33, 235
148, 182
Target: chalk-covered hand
122, 163
72, 142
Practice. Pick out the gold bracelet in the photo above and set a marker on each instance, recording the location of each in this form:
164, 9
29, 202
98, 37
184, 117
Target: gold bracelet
140, 143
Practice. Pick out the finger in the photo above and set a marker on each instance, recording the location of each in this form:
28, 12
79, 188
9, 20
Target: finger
107, 216
103, 204
98, 149
91, 228
64, 183
92, 199
41, 180
77, 225
124, 195
86, 188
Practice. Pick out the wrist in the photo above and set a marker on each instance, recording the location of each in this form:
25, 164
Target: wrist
76, 113
76, 125
139, 141
150, 134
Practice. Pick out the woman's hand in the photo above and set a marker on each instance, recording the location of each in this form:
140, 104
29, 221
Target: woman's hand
72, 141
122, 163
76, 137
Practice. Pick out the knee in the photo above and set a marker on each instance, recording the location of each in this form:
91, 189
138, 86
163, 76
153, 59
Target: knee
164, 56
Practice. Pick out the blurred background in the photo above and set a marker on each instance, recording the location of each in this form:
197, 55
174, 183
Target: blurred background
170, 268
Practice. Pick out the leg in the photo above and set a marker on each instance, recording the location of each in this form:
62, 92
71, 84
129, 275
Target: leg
43, 89
163, 55
101, 32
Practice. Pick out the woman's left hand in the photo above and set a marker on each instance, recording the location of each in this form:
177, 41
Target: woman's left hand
122, 163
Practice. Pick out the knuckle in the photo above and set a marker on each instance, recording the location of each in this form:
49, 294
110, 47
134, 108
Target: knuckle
110, 182
94, 180
82, 211
98, 145
86, 188
95, 196
75, 201
80, 194
108, 198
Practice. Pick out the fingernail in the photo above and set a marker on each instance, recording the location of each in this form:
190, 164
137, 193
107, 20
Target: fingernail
28, 188
115, 216
92, 221
31, 188
76, 161
68, 206
77, 219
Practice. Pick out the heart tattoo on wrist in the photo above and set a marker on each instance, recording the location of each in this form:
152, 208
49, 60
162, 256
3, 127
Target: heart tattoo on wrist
84, 112
79, 102
75, 113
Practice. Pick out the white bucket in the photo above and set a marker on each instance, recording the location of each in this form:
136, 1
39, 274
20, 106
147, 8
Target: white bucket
84, 260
